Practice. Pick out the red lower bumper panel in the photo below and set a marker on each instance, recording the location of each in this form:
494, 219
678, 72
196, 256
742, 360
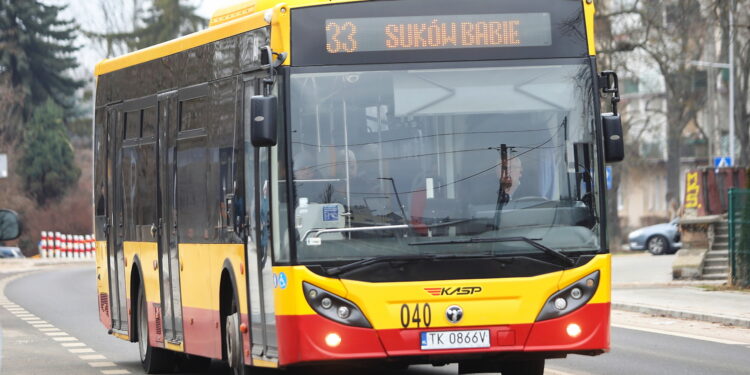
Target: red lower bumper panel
312, 338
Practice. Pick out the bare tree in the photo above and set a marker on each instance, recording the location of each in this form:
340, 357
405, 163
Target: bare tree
671, 33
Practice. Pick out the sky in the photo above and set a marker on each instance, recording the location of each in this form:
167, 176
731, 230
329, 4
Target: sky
89, 14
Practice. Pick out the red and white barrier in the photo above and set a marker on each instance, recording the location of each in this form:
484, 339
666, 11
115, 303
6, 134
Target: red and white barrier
57, 245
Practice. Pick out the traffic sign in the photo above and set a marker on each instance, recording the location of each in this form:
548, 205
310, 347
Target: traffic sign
722, 162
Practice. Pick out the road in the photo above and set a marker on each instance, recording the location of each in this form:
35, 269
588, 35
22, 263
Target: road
50, 325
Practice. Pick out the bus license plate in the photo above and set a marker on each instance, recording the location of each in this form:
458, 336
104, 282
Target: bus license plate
455, 339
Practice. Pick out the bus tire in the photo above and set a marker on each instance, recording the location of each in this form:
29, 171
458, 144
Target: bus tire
233, 341
154, 360
528, 367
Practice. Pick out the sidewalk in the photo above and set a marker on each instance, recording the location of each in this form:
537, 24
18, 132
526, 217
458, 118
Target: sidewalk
643, 283
30, 264
685, 302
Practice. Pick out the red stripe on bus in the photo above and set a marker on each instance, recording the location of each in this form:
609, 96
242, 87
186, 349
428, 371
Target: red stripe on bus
202, 332
302, 338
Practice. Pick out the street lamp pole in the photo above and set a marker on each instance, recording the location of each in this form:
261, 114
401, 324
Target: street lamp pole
731, 83
730, 67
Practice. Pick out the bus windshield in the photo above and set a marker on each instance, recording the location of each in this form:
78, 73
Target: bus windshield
444, 158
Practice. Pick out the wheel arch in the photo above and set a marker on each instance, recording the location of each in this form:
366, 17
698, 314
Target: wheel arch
136, 282
228, 292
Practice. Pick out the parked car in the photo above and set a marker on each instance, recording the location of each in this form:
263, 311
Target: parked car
10, 252
657, 239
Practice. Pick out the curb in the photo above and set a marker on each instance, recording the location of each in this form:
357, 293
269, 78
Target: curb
691, 315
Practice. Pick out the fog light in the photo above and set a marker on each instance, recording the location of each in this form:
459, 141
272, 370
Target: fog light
561, 303
333, 340
573, 330
576, 293
343, 312
326, 303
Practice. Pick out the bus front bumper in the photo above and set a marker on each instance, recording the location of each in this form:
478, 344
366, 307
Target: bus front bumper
309, 338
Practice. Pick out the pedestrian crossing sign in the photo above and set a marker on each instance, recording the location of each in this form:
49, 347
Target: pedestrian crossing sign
722, 162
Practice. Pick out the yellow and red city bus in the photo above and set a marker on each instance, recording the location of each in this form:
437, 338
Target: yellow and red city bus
307, 182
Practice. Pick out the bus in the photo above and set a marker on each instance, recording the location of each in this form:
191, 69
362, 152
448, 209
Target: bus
333, 182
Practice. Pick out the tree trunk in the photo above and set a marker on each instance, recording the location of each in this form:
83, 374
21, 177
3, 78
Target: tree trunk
674, 145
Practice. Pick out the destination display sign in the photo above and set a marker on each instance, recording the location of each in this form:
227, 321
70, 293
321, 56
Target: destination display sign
352, 35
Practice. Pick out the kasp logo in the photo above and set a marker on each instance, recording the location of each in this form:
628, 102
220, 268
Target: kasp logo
457, 291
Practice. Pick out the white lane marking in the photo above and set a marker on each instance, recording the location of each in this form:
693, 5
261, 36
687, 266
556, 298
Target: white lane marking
68, 338
92, 357
81, 350
115, 372
68, 342
102, 364
72, 344
678, 334
56, 333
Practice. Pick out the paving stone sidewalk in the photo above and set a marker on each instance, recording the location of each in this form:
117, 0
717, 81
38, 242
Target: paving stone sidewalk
685, 302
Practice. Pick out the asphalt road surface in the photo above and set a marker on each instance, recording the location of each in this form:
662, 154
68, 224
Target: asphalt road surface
50, 325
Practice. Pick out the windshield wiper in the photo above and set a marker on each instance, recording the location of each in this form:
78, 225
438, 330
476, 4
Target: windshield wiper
399, 258
531, 241
379, 259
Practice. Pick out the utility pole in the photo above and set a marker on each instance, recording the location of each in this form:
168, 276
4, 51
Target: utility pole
731, 83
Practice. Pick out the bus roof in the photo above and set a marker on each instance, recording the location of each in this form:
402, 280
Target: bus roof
224, 23
245, 16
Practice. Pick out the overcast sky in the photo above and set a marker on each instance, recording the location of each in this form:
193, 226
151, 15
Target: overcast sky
89, 15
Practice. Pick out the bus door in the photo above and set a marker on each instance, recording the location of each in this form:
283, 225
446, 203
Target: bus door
260, 243
115, 229
169, 262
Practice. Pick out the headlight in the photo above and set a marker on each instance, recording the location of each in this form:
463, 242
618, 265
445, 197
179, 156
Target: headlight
635, 233
334, 307
571, 298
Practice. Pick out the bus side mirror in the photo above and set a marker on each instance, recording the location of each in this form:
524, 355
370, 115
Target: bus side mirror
263, 121
614, 144
10, 225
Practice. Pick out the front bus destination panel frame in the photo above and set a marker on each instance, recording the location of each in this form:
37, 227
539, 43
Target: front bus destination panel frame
310, 37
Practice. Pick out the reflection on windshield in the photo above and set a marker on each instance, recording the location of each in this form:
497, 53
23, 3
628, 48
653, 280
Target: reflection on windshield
459, 153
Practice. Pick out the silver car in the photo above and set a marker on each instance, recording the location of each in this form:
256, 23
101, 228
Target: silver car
10, 252
657, 239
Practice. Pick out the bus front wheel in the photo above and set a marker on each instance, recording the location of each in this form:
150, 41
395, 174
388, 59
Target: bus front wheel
233, 342
154, 360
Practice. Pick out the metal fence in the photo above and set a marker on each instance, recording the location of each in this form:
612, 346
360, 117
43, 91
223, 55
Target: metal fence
739, 236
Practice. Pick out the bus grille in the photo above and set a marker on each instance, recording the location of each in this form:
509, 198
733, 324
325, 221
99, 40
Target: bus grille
157, 319
104, 302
